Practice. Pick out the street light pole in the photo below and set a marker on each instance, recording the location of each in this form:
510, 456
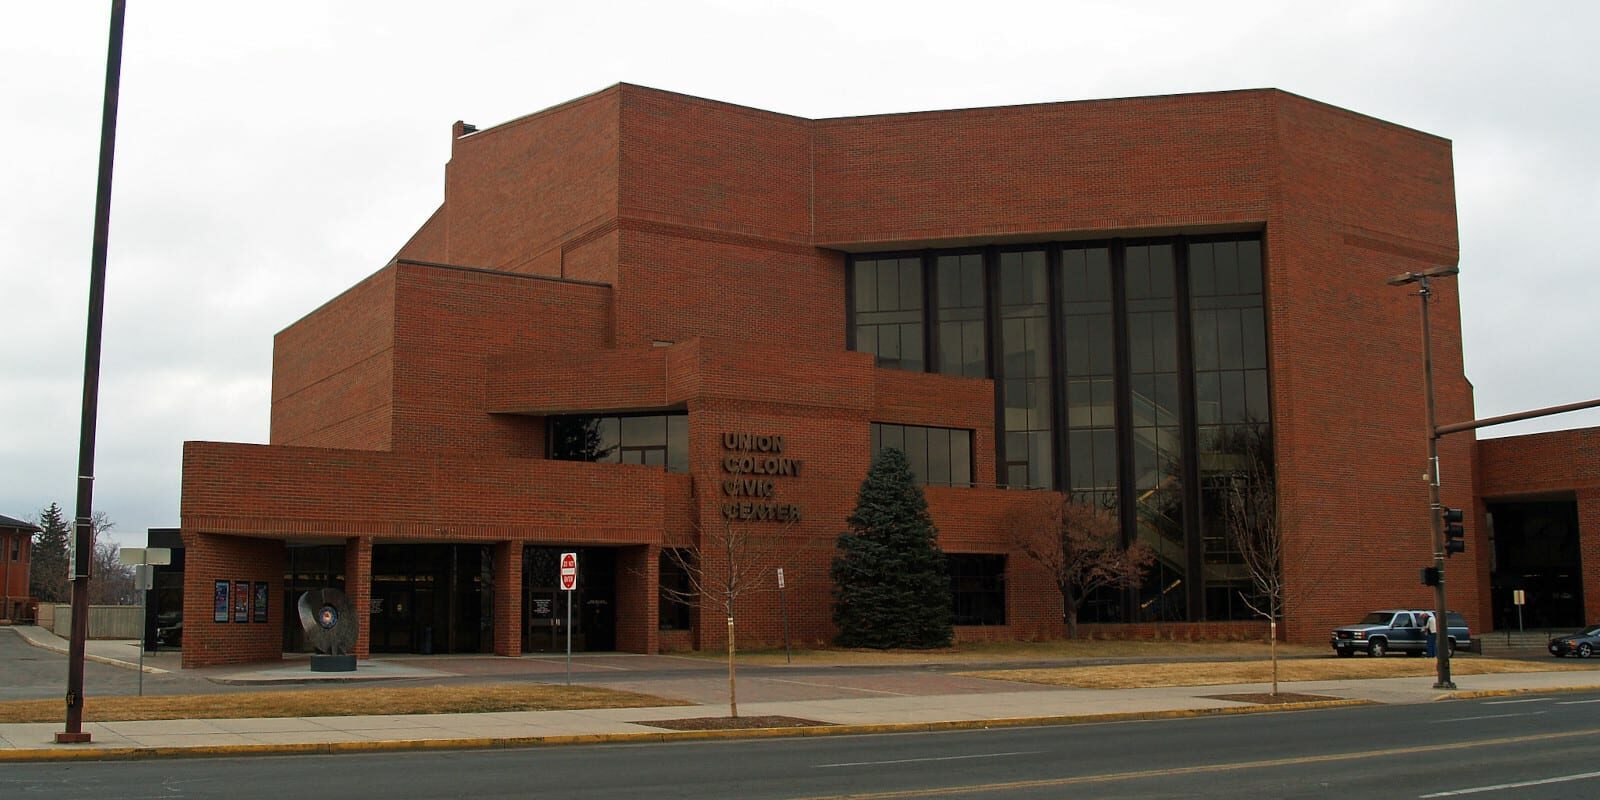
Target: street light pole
1435, 518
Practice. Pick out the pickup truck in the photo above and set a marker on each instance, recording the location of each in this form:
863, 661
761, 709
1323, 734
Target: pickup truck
1397, 630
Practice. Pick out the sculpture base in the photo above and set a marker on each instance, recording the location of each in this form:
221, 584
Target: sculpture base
74, 737
321, 662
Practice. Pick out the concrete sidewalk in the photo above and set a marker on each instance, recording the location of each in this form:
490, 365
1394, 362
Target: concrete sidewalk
835, 715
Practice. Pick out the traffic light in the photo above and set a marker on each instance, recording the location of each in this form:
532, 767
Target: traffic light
1455, 533
1430, 576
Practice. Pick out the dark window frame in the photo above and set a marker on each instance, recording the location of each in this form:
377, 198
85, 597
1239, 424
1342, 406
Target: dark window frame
666, 448
876, 430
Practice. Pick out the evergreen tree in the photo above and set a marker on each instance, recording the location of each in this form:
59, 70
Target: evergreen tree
49, 557
890, 584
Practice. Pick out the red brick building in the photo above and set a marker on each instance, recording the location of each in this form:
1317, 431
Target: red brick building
1105, 298
16, 548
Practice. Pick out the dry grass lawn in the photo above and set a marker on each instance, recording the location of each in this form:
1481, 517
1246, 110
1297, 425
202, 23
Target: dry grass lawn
333, 703
989, 652
1199, 673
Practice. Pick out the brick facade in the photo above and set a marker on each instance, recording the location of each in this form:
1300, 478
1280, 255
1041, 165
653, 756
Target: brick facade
637, 250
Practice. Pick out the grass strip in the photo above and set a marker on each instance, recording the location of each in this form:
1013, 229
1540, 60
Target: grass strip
341, 702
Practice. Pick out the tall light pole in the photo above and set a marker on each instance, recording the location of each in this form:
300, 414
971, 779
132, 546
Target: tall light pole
83, 535
1441, 620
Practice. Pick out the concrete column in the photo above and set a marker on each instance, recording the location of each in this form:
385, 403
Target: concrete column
358, 587
508, 598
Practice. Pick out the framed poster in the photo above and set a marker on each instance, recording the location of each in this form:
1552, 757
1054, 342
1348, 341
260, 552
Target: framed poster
219, 602
258, 606
241, 601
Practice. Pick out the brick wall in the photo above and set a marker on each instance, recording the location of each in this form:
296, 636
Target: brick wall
333, 371
209, 558
1557, 464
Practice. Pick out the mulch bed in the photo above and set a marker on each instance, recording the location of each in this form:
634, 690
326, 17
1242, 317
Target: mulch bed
731, 723
1269, 699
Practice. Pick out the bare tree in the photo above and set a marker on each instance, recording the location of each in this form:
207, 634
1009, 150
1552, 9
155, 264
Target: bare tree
1251, 517
1081, 546
726, 562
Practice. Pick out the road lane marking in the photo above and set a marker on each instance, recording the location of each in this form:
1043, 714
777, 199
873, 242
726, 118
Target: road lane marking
1498, 787
1576, 702
1488, 716
939, 758
1110, 777
1508, 702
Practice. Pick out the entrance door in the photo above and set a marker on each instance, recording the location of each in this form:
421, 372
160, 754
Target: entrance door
1536, 550
392, 619
544, 603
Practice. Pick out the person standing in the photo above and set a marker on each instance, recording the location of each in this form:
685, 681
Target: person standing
1433, 634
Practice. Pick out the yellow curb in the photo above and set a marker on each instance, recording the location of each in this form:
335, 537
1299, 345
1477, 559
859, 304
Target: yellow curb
1472, 695
485, 743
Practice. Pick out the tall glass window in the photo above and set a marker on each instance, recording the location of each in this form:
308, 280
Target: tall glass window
1025, 349
660, 440
938, 456
959, 288
888, 311
1231, 405
1155, 418
1156, 352
1089, 364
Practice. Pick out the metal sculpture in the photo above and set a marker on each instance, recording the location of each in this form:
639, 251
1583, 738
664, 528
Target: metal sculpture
331, 627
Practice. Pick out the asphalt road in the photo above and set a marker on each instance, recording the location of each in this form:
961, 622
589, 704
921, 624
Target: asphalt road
1527, 746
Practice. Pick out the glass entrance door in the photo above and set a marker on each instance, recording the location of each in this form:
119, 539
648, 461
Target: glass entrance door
544, 603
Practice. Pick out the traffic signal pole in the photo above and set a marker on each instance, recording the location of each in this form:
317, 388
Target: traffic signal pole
1441, 638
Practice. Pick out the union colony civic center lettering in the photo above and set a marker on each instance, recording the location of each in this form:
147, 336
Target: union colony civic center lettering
749, 464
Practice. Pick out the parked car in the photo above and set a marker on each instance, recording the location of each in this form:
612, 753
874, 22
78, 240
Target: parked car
1400, 630
1582, 644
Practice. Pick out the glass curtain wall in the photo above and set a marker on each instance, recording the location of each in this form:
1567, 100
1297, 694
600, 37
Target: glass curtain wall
1154, 418
1025, 349
1231, 407
1138, 369
888, 311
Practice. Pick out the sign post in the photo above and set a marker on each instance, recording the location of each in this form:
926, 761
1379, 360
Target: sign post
569, 582
783, 603
1518, 599
142, 559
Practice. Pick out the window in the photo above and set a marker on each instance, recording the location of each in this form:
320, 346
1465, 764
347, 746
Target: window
1026, 365
1131, 373
1089, 363
675, 611
959, 288
660, 440
16, 547
938, 456
978, 588
1232, 414
888, 311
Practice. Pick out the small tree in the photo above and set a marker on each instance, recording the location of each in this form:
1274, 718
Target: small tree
890, 583
725, 563
48, 580
1081, 546
1252, 525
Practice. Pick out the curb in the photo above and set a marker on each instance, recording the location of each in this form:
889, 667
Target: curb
1473, 695
489, 743
108, 661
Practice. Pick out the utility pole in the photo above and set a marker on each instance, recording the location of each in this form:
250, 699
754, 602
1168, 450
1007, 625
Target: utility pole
1435, 508
83, 536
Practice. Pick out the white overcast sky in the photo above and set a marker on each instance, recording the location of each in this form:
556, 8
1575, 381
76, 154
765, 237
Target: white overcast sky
270, 155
